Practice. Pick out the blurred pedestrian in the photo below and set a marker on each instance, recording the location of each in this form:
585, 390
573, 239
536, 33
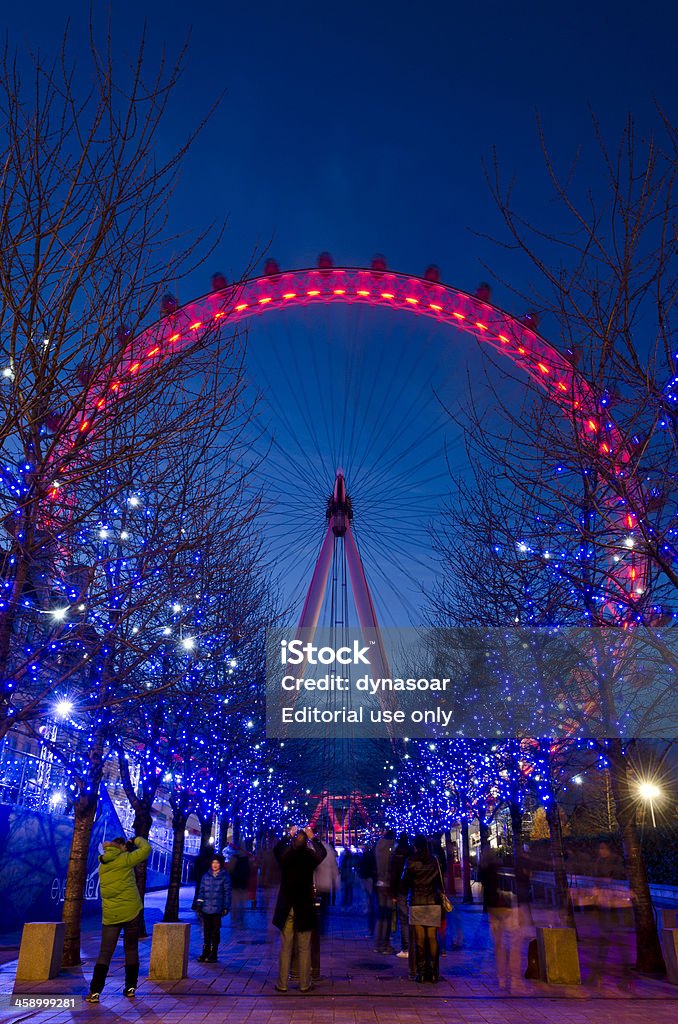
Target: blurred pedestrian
504, 923
401, 852
611, 897
367, 873
238, 867
346, 870
269, 872
382, 853
326, 880
253, 876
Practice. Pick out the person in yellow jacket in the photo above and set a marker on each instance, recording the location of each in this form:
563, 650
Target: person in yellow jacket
121, 907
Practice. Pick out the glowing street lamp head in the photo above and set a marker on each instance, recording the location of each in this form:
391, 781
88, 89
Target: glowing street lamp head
649, 791
63, 708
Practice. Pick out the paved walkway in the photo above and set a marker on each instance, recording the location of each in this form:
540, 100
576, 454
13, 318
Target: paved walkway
358, 986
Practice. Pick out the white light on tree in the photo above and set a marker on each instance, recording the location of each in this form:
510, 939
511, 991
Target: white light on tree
63, 708
188, 643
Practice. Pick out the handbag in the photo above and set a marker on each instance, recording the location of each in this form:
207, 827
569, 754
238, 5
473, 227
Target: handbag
445, 901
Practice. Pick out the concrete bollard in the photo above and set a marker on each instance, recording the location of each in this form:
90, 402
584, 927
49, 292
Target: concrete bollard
169, 952
42, 947
558, 956
670, 951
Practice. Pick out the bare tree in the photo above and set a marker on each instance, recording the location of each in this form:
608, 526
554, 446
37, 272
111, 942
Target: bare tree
512, 560
85, 254
597, 469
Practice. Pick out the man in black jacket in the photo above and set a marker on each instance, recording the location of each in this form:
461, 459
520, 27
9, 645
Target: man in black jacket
298, 855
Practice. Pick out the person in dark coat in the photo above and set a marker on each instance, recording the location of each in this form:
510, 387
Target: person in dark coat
421, 879
298, 855
200, 866
401, 852
213, 902
382, 853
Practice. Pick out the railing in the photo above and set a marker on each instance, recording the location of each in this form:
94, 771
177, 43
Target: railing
543, 888
36, 781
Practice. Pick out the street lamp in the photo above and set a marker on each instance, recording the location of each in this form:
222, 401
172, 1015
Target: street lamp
650, 792
63, 708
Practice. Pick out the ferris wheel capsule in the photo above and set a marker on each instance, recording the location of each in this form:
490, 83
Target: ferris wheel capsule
432, 273
168, 304
378, 263
123, 335
325, 261
271, 268
530, 319
219, 282
484, 292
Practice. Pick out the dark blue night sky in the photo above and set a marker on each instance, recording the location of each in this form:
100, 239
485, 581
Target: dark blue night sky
361, 128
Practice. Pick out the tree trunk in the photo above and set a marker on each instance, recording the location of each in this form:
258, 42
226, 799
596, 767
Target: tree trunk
143, 820
179, 819
76, 878
563, 895
222, 837
484, 830
206, 847
649, 959
467, 891
7, 620
516, 828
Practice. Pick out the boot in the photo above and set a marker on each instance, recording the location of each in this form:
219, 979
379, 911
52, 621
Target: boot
131, 979
204, 956
96, 985
212, 958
